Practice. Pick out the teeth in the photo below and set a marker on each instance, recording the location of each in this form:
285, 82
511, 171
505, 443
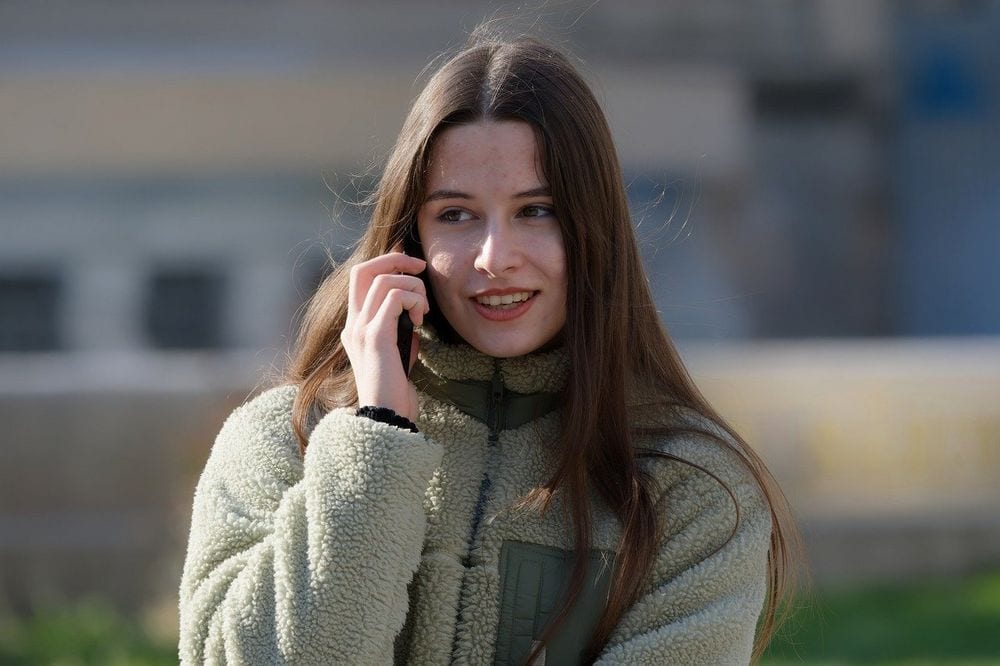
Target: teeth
506, 299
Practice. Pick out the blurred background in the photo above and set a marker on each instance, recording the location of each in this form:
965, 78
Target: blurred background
816, 188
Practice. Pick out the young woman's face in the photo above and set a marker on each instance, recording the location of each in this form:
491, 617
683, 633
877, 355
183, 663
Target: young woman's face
494, 250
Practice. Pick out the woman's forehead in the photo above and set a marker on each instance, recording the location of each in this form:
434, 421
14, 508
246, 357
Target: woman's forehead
485, 155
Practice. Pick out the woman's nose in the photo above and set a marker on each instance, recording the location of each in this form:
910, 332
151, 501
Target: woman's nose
499, 251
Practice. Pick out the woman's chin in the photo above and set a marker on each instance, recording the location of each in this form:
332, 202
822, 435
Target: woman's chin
509, 346
499, 339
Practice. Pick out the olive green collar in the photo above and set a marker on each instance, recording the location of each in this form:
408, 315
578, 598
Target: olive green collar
473, 397
526, 386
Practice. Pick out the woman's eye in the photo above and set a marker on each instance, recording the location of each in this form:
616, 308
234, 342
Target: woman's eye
454, 215
536, 211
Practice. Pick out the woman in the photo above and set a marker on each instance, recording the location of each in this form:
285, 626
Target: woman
547, 486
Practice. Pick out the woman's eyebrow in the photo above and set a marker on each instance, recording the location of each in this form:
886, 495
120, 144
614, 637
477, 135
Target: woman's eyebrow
446, 194
540, 191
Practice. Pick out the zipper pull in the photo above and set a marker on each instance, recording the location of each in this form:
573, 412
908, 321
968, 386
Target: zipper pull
496, 402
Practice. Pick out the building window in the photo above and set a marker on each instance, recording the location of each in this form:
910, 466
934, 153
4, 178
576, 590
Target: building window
807, 99
29, 312
184, 309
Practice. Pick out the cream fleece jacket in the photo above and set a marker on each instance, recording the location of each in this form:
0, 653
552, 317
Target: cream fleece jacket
324, 559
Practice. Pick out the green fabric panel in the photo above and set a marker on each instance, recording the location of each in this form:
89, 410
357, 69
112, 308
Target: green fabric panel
533, 579
473, 398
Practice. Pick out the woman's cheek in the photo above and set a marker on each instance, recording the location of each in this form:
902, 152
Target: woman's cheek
443, 264
440, 275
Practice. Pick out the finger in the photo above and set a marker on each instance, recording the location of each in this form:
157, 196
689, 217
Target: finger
380, 288
362, 274
396, 301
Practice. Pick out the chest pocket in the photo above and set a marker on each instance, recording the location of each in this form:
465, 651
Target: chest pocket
533, 579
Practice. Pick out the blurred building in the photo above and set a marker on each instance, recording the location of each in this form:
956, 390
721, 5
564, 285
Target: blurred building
174, 177
161, 178
162, 167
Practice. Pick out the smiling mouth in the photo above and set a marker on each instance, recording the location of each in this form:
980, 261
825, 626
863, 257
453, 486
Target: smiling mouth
505, 302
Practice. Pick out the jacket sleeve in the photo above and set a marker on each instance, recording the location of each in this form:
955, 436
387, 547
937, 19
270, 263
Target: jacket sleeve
706, 590
303, 560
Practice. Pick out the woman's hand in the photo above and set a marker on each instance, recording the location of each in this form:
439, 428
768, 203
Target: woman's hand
380, 290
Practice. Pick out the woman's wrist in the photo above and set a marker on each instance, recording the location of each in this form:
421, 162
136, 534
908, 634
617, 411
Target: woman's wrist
386, 415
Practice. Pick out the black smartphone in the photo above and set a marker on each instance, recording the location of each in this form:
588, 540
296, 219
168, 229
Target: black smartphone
404, 340
404, 327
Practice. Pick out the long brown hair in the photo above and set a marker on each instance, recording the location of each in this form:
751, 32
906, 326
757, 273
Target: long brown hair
523, 79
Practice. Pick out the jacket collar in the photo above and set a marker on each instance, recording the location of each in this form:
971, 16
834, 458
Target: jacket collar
502, 393
532, 373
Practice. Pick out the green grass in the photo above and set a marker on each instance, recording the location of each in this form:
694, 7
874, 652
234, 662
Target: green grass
951, 622
90, 633
939, 623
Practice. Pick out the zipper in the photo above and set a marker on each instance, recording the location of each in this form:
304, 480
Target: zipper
494, 421
496, 414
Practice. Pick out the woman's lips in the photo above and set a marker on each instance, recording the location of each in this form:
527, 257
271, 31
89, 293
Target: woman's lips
504, 312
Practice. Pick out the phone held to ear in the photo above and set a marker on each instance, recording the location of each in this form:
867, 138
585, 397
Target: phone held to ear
404, 340
404, 327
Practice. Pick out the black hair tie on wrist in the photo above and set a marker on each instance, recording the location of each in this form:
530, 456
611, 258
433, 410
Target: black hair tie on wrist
386, 415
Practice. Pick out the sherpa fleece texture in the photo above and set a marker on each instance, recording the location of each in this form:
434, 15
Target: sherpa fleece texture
321, 559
